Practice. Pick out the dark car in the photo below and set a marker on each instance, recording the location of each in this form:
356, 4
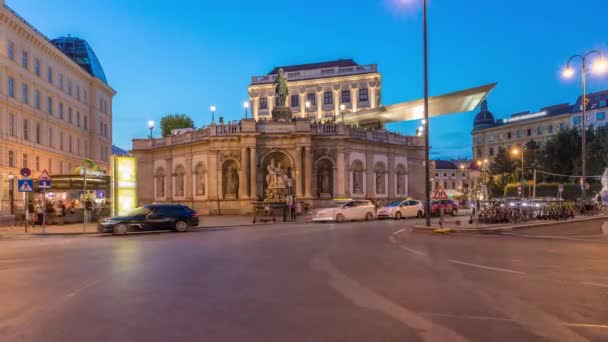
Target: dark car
449, 207
151, 217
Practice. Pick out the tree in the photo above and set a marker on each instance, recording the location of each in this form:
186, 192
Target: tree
562, 154
90, 166
175, 121
533, 157
503, 163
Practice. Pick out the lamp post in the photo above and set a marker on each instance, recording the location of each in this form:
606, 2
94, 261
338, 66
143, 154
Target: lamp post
342, 108
307, 105
11, 191
599, 67
151, 128
516, 152
427, 166
212, 113
246, 106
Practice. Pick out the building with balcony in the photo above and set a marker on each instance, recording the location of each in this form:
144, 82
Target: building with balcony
325, 161
490, 134
318, 90
55, 103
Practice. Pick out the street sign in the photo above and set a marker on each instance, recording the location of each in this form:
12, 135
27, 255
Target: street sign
25, 172
25, 185
44, 176
440, 193
44, 184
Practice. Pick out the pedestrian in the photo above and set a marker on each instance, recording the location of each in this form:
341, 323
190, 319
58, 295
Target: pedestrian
61, 212
88, 206
39, 214
293, 209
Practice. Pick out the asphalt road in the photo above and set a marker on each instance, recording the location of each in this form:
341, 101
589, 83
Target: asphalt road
311, 282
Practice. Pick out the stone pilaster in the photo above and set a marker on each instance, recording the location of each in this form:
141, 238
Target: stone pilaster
299, 173
391, 176
214, 181
244, 186
308, 172
188, 181
169, 180
341, 172
319, 104
253, 173
370, 189
354, 97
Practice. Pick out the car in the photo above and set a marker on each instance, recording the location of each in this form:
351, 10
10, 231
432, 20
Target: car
349, 210
450, 207
402, 209
151, 217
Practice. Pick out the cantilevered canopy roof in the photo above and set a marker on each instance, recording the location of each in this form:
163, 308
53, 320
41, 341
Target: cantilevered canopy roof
456, 102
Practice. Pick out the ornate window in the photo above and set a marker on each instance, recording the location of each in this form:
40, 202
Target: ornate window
325, 181
200, 173
357, 170
400, 174
179, 181
380, 171
160, 182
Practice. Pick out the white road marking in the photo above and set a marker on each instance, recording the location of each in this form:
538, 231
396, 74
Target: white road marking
485, 267
594, 284
558, 237
412, 251
399, 232
508, 320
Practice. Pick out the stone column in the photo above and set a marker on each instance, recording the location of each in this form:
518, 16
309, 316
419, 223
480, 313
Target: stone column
337, 99
391, 177
299, 172
341, 180
188, 182
319, 104
308, 172
170, 179
370, 180
244, 175
255, 106
253, 174
372, 97
303, 105
353, 99
212, 190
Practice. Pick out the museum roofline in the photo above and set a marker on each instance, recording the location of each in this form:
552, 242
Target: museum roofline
340, 63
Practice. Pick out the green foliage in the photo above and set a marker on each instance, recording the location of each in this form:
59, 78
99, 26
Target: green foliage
89, 165
175, 121
571, 191
503, 163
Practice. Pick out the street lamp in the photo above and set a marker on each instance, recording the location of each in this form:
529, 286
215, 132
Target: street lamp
212, 113
515, 153
11, 192
599, 66
151, 128
342, 108
427, 169
246, 106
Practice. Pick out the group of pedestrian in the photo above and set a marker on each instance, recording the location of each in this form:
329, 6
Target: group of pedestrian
50, 212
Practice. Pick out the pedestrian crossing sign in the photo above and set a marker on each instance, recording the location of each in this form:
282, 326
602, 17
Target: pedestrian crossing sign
44, 175
440, 193
25, 185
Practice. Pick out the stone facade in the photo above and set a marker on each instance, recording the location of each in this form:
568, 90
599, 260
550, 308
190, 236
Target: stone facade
325, 161
53, 113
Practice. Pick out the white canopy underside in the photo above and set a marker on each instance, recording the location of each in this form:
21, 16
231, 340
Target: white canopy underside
456, 102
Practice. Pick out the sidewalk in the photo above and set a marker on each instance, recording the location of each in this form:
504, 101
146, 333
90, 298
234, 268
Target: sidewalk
77, 228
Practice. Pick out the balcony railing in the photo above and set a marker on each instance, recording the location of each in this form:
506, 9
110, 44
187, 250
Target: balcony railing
318, 73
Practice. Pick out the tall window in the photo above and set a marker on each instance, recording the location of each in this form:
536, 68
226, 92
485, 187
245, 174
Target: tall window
61, 110
37, 133
295, 100
70, 115
345, 96
37, 163
11, 50
11, 87
550, 129
85, 97
37, 67
26, 134
70, 144
263, 103
86, 122
25, 162
200, 180
600, 116
78, 92
61, 141
77, 119
69, 87
11, 158
11, 124
312, 98
49, 104
24, 97
61, 81
51, 137
24, 61
539, 130
50, 74
37, 98
50, 165
179, 181
328, 98
363, 95
160, 183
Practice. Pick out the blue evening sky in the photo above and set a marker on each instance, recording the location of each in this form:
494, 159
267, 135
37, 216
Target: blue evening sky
182, 56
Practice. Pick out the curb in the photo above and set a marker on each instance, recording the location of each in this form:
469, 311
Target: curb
506, 228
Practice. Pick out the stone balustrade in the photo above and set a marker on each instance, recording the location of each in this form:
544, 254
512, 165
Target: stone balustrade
318, 73
270, 127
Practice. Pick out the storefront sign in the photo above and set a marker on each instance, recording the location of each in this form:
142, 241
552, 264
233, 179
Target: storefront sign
124, 189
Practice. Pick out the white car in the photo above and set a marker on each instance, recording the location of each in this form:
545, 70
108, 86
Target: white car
347, 211
402, 209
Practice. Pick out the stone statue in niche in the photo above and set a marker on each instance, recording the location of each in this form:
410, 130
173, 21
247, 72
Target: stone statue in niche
232, 182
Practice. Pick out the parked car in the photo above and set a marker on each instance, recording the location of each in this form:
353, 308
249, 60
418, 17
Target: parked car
347, 211
151, 217
450, 207
402, 209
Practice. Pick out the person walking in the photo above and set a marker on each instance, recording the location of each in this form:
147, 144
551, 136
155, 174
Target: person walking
88, 207
39, 214
61, 212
